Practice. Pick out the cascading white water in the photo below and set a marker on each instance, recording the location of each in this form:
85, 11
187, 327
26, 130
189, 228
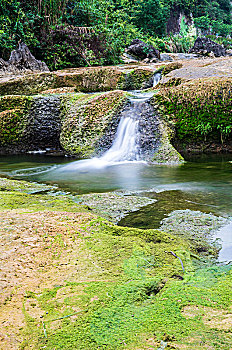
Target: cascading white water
125, 146
156, 78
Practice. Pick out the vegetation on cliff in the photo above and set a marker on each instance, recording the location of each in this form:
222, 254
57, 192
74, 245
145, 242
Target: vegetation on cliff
96, 32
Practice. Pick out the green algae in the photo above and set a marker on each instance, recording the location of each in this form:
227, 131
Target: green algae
137, 301
129, 272
134, 291
135, 79
201, 109
114, 206
13, 118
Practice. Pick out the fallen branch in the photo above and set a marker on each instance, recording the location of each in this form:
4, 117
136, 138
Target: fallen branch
179, 259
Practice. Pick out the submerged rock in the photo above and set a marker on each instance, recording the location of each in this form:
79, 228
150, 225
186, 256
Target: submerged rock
195, 226
114, 206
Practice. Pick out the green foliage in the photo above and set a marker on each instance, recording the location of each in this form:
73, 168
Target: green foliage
102, 28
204, 129
201, 110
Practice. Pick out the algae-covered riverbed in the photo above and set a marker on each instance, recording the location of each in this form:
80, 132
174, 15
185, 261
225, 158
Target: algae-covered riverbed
70, 279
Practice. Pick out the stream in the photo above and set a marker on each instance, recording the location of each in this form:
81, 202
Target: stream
202, 184
199, 187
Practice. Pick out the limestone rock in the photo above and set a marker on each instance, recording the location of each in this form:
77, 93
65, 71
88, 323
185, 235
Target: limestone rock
128, 59
165, 57
21, 60
141, 50
91, 79
205, 46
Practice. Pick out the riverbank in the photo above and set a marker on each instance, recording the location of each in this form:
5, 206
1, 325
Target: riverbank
72, 279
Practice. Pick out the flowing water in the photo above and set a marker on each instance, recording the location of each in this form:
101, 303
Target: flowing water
203, 185
200, 184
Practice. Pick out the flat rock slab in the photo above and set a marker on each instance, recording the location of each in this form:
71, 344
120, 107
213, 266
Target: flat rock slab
201, 68
114, 206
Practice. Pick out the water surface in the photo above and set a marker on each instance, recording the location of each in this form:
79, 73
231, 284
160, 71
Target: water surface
203, 184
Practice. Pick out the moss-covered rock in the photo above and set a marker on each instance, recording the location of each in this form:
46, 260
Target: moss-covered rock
85, 119
165, 152
91, 79
167, 68
201, 109
29, 123
74, 280
28, 84
14, 119
135, 79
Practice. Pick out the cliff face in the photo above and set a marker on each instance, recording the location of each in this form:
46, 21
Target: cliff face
173, 25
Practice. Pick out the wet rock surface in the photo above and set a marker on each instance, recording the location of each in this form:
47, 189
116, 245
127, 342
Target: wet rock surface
149, 132
45, 125
34, 126
195, 226
148, 137
114, 206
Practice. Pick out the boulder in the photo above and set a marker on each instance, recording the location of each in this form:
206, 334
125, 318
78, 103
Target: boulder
165, 57
22, 60
141, 50
205, 46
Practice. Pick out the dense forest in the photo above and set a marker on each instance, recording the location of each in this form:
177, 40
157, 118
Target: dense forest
69, 33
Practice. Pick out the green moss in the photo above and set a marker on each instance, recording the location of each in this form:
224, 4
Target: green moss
128, 291
135, 79
131, 296
85, 118
33, 202
172, 82
23, 186
167, 68
98, 79
28, 84
200, 109
13, 118
91, 79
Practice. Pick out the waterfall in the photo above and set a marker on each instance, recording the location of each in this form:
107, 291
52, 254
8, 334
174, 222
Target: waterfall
156, 78
125, 147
